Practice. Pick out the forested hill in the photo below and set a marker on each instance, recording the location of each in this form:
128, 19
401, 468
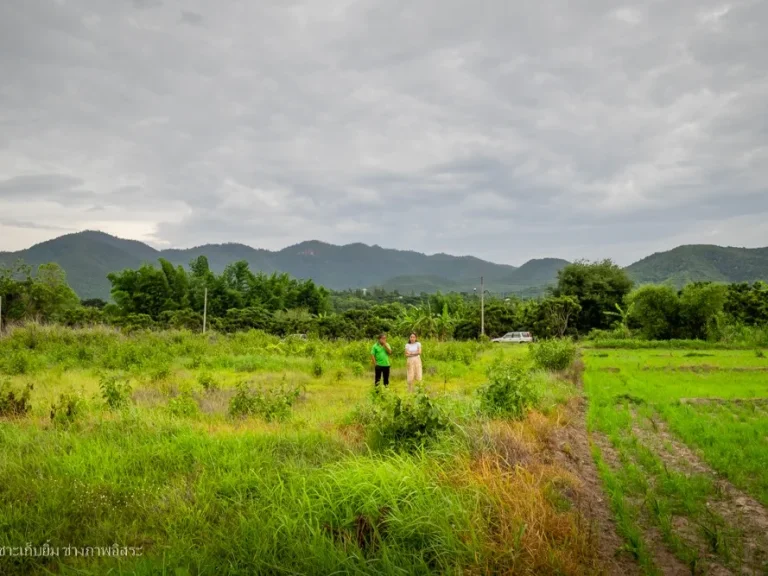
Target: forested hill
88, 257
702, 263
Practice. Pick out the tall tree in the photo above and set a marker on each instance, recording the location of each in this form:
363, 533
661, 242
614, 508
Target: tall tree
598, 287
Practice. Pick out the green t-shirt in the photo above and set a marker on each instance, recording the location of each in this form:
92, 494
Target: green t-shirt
379, 352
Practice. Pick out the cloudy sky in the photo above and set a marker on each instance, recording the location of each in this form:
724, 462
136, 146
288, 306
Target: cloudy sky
507, 130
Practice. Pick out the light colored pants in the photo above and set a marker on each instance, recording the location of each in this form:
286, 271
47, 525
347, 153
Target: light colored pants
413, 370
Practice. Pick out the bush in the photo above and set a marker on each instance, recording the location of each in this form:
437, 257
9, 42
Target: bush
183, 405
553, 354
510, 391
114, 391
16, 362
404, 423
67, 409
317, 367
208, 382
267, 403
12, 403
159, 373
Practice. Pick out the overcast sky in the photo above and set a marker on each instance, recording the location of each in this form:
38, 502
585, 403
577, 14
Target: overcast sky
506, 130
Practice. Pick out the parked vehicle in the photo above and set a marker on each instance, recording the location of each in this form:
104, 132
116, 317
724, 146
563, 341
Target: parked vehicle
515, 337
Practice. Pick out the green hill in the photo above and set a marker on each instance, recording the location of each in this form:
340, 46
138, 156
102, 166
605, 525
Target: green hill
89, 256
702, 263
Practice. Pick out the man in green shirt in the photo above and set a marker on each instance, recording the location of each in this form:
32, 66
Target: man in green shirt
380, 354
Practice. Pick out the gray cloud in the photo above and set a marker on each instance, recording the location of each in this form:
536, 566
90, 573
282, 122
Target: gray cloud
586, 129
192, 18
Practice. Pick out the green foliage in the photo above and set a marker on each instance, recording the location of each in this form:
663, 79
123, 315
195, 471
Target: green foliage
11, 402
115, 391
66, 410
405, 423
160, 373
16, 362
207, 381
509, 392
318, 367
183, 405
268, 403
598, 287
553, 354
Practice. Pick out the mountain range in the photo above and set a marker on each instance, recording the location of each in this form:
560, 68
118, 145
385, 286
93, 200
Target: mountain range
89, 256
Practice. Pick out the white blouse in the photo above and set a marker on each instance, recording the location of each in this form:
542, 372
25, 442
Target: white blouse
414, 348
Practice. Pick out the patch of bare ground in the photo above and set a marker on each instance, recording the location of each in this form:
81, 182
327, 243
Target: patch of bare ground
705, 368
570, 448
748, 516
721, 401
567, 445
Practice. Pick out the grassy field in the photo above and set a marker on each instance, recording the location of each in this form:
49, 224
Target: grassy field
174, 453
681, 440
181, 486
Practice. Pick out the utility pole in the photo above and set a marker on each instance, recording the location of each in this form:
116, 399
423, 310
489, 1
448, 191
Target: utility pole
205, 309
482, 307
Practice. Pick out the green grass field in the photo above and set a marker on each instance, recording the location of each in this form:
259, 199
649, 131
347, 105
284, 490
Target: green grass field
686, 441
131, 460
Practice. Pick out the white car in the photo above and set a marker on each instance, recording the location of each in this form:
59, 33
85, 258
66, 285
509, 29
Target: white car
515, 337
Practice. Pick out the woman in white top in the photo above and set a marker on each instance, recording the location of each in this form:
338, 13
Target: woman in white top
413, 361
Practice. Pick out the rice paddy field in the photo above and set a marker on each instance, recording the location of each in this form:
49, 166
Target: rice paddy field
175, 453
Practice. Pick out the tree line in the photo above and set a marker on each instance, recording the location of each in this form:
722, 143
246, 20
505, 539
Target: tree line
589, 298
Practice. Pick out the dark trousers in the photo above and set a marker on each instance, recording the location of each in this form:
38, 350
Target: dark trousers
381, 371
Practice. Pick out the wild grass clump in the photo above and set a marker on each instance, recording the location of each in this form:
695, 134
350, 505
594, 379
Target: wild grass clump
404, 423
268, 403
13, 403
208, 382
115, 391
318, 368
510, 392
67, 409
16, 362
556, 355
183, 405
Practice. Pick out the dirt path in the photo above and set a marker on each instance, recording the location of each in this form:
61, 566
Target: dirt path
572, 452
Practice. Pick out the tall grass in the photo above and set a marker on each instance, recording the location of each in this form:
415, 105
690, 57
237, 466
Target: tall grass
131, 440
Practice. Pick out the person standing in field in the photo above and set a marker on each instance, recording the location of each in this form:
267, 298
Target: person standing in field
413, 361
380, 354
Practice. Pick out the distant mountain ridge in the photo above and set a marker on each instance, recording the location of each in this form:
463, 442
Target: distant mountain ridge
702, 263
89, 256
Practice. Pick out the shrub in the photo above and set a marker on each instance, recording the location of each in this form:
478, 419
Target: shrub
553, 354
267, 403
510, 391
183, 405
12, 403
16, 362
159, 373
358, 370
317, 367
404, 423
67, 409
208, 382
114, 391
